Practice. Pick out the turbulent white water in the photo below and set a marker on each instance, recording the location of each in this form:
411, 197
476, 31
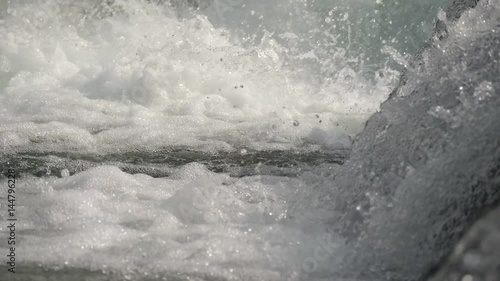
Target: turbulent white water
135, 76
73, 77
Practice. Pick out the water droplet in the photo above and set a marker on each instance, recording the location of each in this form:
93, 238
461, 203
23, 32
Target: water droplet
64, 173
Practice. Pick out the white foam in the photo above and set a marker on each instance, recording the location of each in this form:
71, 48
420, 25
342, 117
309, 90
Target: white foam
143, 79
197, 221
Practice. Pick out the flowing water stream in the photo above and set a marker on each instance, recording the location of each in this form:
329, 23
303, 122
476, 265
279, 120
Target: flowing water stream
194, 140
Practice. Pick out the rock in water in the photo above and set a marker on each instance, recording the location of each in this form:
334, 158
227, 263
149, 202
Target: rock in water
428, 164
477, 256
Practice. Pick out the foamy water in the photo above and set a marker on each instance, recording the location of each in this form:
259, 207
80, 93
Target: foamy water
139, 77
74, 78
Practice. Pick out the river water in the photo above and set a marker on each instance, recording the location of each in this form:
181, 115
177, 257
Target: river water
191, 140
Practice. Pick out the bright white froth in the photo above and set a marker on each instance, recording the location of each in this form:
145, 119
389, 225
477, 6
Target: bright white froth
196, 223
84, 77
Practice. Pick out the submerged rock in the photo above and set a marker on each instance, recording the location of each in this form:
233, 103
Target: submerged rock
428, 165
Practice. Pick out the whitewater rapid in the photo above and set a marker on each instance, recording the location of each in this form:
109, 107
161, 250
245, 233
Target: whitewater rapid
136, 77
75, 79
